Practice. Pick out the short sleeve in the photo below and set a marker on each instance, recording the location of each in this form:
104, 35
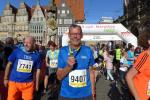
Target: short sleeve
92, 61
38, 63
130, 55
13, 55
61, 63
47, 54
141, 59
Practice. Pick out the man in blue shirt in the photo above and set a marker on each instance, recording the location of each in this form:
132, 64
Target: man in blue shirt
75, 68
19, 71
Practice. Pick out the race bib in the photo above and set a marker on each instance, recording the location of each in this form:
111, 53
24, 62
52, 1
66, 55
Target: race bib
24, 66
148, 88
53, 63
77, 78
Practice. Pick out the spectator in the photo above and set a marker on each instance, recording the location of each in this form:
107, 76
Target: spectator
109, 65
8, 49
131, 57
123, 67
137, 52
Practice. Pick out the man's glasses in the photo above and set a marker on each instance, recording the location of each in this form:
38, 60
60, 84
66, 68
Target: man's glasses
75, 34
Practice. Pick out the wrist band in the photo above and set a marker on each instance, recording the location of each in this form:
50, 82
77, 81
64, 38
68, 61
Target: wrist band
94, 95
94, 88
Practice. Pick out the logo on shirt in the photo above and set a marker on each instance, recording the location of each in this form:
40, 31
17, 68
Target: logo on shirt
83, 57
27, 57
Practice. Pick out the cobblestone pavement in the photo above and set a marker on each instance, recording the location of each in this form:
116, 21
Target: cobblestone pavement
105, 90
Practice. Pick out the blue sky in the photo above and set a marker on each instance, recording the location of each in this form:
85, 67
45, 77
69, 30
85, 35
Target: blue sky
94, 9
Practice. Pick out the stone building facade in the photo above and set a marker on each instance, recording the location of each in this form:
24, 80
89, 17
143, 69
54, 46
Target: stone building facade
135, 13
7, 22
43, 22
68, 12
37, 24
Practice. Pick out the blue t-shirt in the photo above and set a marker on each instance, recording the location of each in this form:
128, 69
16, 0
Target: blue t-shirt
23, 65
77, 83
130, 56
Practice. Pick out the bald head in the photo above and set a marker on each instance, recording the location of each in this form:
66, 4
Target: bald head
30, 38
29, 43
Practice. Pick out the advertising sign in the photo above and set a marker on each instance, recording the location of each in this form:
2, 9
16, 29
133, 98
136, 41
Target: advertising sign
98, 32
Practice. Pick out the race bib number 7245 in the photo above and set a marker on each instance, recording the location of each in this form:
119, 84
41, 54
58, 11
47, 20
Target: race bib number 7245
77, 78
24, 66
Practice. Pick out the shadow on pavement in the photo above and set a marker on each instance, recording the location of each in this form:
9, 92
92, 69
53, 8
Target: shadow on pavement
53, 90
117, 92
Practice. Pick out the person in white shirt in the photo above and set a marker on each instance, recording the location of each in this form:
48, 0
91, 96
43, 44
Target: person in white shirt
51, 63
109, 65
123, 66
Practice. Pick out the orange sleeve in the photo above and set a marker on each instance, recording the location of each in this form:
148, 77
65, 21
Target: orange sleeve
141, 59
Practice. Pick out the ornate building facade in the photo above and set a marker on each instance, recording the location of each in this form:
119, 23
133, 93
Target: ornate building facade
22, 20
7, 21
68, 12
43, 22
64, 19
135, 13
14, 22
37, 24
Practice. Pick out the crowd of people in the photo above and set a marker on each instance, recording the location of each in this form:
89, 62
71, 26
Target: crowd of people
74, 66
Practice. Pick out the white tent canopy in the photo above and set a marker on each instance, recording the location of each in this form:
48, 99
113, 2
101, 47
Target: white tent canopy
107, 32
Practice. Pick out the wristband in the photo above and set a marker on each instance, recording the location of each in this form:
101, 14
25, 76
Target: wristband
94, 88
94, 95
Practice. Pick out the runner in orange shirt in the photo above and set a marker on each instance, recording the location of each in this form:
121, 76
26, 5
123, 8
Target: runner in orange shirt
138, 77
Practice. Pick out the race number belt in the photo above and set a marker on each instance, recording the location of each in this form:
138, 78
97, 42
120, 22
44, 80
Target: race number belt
24, 66
77, 78
53, 63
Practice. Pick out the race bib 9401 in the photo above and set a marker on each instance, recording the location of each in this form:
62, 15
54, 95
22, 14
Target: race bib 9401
77, 78
24, 66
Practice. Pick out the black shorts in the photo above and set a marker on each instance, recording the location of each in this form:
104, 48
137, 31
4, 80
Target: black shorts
50, 71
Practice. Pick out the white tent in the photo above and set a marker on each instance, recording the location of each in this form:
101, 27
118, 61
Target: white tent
107, 32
